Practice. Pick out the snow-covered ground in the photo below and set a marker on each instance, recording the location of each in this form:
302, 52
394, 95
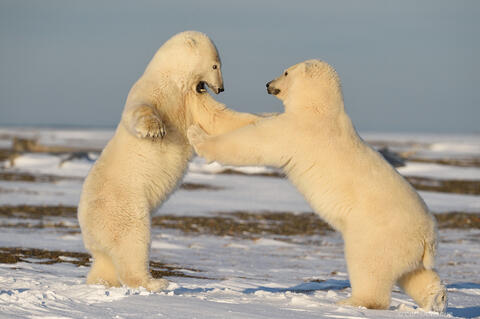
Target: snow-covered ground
213, 273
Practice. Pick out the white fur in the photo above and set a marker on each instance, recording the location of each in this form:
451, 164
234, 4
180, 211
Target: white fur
390, 237
147, 157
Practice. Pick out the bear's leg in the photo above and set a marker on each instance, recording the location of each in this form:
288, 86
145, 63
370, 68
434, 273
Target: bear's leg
131, 258
371, 277
102, 271
425, 287
369, 290
235, 147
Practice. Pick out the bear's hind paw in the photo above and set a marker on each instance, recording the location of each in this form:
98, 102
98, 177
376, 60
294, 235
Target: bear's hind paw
437, 300
155, 285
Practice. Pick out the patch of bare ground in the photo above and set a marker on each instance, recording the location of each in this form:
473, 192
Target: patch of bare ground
26, 145
254, 225
37, 212
241, 224
31, 145
34, 178
160, 270
410, 148
5, 190
198, 186
462, 162
471, 187
398, 144
420, 183
230, 171
43, 178
5, 154
458, 220
246, 224
13, 255
72, 228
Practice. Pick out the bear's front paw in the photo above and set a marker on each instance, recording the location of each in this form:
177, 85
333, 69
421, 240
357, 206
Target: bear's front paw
196, 135
436, 299
197, 138
150, 127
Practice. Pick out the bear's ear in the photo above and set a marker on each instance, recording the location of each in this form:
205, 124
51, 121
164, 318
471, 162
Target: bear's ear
191, 42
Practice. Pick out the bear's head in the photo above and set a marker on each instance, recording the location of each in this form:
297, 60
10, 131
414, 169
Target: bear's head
191, 59
312, 83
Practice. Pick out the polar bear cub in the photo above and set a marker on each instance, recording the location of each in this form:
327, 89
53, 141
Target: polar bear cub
147, 157
389, 235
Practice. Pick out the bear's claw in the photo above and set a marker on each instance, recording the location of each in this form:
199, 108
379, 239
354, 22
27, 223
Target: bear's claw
150, 127
197, 138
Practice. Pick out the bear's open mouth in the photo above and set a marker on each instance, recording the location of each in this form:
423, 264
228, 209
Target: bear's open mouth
201, 87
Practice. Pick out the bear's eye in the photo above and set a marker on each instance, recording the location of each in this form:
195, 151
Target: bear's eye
286, 73
214, 66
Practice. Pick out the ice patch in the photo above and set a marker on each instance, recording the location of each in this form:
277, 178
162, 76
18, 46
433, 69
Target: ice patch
437, 171
156, 244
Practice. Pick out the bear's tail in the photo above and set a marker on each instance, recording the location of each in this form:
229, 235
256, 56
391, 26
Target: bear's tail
429, 252
429, 255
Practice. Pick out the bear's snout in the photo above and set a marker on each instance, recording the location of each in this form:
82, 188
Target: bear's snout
271, 89
220, 89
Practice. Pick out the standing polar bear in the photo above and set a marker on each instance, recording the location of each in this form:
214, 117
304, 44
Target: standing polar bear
389, 235
147, 157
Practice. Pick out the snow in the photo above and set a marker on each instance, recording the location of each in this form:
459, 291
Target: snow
264, 276
199, 165
444, 203
95, 139
261, 279
41, 163
440, 171
263, 193
430, 145
58, 193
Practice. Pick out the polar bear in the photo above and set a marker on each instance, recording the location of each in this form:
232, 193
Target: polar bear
389, 235
148, 155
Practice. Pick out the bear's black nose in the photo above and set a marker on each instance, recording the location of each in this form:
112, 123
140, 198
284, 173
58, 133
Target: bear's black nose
221, 89
268, 84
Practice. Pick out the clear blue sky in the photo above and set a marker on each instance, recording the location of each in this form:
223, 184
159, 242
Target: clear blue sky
404, 65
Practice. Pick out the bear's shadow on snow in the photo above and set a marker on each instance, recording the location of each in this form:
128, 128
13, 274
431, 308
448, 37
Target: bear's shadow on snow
306, 288
13, 291
464, 285
182, 290
334, 284
466, 312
